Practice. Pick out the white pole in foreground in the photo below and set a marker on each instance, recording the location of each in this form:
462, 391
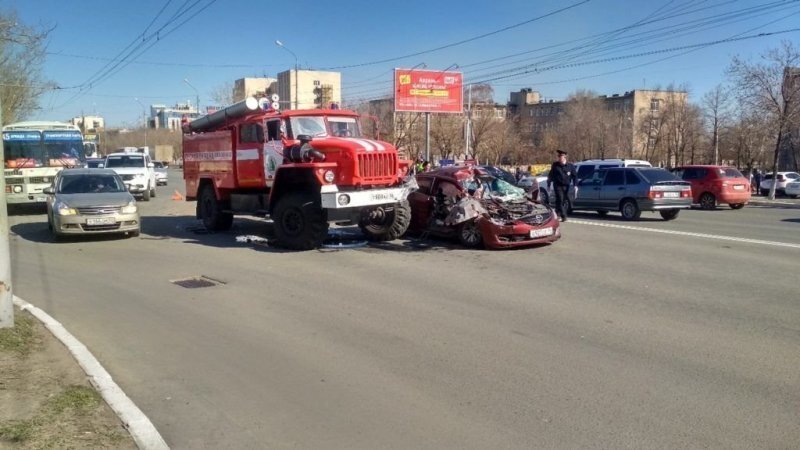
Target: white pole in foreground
6, 295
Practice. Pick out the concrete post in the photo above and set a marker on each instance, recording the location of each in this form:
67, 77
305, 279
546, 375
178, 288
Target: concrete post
6, 294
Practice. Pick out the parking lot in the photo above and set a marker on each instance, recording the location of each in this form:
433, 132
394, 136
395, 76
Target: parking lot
637, 334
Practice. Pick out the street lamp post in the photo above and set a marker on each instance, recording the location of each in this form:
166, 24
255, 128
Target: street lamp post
144, 119
196, 93
296, 74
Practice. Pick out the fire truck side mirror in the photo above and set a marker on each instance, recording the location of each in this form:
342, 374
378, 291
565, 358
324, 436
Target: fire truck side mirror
304, 138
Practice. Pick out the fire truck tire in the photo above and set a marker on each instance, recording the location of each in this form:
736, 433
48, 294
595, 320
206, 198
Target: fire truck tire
392, 225
299, 221
211, 213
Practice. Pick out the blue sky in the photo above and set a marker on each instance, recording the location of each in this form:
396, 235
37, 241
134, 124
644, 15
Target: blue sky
574, 47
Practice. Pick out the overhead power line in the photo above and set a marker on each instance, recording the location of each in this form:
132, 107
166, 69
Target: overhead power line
454, 44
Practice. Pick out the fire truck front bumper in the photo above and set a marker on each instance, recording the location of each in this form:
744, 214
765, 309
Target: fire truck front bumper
333, 198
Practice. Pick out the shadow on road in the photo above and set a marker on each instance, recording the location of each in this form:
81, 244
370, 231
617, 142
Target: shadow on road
647, 216
38, 232
26, 209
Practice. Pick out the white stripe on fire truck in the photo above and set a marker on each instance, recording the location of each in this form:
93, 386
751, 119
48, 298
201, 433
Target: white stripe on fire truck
247, 154
224, 155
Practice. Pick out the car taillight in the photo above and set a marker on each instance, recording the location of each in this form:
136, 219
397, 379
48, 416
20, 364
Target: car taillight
655, 194
686, 193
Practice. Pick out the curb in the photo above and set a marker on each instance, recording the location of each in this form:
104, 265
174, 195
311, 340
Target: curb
143, 431
784, 204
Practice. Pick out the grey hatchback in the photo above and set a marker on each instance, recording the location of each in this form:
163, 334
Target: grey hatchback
631, 190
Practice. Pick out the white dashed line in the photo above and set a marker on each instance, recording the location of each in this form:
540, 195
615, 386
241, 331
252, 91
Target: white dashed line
687, 233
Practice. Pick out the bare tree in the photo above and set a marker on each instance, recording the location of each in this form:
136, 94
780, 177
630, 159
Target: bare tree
22, 51
771, 87
716, 111
223, 94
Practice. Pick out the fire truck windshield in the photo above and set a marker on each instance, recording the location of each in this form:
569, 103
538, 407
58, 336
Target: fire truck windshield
310, 125
344, 126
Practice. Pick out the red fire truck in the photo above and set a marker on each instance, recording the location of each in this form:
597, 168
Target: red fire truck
304, 168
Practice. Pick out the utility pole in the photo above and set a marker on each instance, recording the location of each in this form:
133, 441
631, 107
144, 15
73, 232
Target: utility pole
296, 73
6, 293
144, 120
468, 131
427, 136
197, 95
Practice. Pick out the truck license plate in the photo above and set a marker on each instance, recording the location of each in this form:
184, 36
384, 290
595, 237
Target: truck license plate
100, 221
382, 196
542, 232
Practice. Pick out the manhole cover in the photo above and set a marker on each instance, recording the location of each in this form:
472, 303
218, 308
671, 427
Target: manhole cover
197, 282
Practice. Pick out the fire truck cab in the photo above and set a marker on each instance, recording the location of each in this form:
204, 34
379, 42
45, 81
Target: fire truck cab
304, 168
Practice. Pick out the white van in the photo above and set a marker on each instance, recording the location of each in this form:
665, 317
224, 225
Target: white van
585, 168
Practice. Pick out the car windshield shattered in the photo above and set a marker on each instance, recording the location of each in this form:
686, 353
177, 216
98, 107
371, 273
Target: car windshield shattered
489, 187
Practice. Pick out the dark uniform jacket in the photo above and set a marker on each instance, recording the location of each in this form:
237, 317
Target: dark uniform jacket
561, 174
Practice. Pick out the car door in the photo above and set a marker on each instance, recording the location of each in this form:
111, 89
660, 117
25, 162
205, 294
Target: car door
612, 189
421, 203
588, 192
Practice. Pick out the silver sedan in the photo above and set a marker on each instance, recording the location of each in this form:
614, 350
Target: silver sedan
90, 201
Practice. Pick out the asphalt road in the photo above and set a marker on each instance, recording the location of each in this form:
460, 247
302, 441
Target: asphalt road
619, 335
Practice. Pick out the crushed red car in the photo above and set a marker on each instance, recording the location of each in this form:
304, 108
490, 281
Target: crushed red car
469, 204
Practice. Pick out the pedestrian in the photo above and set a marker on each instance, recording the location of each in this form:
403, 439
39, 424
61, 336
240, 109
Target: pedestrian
756, 181
560, 176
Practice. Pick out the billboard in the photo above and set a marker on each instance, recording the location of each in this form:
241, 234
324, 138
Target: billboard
428, 91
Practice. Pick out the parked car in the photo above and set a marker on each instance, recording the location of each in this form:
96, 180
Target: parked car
784, 178
90, 201
587, 167
792, 189
631, 190
95, 163
478, 209
712, 185
136, 170
161, 173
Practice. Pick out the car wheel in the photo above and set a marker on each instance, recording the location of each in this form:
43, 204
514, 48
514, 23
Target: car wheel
470, 235
736, 205
211, 212
146, 194
669, 214
708, 201
153, 192
300, 222
602, 212
630, 210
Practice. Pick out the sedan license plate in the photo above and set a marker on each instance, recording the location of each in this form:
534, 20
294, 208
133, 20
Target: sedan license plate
672, 194
101, 221
541, 232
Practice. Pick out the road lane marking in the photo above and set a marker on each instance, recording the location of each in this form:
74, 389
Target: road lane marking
687, 233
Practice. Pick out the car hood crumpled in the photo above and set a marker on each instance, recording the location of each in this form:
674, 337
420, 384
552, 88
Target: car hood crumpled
506, 213
96, 199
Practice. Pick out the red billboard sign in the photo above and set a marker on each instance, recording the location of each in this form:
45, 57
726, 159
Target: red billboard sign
428, 91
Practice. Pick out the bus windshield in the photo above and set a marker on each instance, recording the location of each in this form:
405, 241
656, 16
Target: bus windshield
23, 149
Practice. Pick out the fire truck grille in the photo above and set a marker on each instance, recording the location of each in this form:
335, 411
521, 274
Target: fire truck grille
377, 167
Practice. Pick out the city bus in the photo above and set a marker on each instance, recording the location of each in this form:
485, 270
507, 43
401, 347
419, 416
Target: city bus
34, 153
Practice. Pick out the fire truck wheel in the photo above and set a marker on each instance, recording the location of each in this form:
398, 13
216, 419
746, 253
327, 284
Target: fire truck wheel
211, 213
299, 221
389, 225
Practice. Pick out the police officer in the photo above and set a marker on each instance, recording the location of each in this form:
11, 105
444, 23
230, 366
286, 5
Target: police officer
560, 176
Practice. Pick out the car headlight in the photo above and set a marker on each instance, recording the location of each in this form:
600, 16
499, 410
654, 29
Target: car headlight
64, 210
130, 208
329, 176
